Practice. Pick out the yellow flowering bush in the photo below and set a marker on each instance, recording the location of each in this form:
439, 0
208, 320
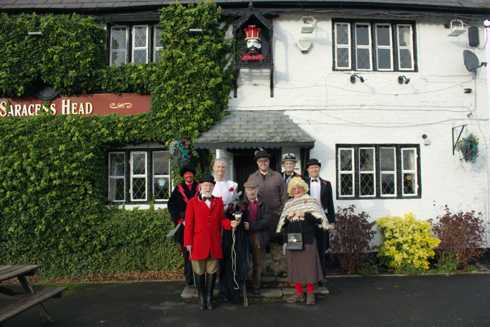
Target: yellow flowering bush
408, 243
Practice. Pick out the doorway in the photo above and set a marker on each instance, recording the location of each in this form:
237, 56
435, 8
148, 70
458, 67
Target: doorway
244, 163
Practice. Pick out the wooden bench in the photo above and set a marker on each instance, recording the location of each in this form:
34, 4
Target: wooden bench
30, 297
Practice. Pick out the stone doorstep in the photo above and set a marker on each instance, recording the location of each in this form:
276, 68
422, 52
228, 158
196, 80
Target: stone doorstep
267, 293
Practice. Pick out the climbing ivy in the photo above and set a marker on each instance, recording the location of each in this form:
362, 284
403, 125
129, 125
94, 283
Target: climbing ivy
53, 169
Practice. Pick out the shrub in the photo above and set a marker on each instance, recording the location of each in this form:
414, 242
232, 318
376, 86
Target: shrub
408, 243
461, 236
351, 237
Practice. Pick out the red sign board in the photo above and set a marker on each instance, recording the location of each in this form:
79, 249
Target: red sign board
87, 105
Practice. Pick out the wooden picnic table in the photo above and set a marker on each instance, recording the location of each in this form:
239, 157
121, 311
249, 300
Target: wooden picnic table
30, 297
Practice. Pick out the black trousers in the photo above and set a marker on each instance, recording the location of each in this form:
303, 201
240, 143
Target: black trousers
189, 276
322, 245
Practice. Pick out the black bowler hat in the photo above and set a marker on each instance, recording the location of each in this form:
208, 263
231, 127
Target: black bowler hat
186, 169
207, 178
313, 162
261, 154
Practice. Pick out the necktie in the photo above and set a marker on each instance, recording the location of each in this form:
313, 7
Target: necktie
205, 198
314, 180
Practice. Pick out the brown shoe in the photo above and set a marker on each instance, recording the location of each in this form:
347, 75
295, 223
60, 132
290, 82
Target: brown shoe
296, 298
310, 298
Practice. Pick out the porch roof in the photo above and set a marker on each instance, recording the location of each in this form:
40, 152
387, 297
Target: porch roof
242, 129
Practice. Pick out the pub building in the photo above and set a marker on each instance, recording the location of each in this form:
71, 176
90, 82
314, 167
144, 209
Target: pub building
380, 91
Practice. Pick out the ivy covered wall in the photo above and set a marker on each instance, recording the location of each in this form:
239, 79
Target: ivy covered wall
53, 202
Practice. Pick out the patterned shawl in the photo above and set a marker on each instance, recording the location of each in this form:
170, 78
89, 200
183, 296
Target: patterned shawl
305, 203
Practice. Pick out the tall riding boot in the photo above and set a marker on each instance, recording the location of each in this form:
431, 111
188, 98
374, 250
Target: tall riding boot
209, 290
201, 290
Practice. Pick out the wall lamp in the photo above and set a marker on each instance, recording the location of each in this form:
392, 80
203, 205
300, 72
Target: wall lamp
402, 79
353, 78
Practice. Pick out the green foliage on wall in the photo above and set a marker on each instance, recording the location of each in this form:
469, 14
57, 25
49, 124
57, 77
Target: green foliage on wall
53, 208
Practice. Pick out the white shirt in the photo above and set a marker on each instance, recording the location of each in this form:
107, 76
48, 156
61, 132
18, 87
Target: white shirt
316, 189
225, 190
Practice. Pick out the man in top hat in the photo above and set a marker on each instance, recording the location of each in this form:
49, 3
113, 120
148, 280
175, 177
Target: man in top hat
177, 204
321, 190
272, 190
204, 220
289, 163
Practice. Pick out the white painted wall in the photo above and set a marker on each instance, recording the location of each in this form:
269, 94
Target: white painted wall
333, 110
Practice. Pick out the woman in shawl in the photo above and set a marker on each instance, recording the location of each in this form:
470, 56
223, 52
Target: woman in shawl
299, 218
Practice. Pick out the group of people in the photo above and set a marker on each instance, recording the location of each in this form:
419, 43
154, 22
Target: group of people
219, 230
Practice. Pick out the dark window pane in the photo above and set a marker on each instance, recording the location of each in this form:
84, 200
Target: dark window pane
139, 164
343, 57
342, 33
383, 35
404, 36
139, 188
158, 37
116, 189
363, 59
406, 59
346, 184
140, 56
384, 58
362, 34
140, 37
408, 159
366, 159
118, 38
161, 163
345, 160
409, 183
118, 57
388, 184
161, 188
366, 184
117, 164
387, 159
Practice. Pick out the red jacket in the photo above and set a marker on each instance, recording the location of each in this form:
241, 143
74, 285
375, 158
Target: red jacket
203, 228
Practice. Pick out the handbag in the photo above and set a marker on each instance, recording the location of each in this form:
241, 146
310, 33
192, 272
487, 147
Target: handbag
295, 242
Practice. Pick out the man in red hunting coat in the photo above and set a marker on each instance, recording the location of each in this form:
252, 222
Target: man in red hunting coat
204, 220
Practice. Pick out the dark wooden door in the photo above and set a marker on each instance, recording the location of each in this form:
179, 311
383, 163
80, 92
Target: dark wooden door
244, 163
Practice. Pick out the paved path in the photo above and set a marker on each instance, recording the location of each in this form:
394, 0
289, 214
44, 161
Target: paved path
354, 302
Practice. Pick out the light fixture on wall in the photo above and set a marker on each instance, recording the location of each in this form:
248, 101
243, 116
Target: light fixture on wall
353, 78
426, 139
457, 27
402, 79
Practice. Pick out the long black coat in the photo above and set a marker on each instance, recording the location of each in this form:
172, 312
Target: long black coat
177, 204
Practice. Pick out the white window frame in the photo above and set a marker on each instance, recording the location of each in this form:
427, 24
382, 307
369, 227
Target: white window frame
155, 176
156, 48
414, 171
134, 48
125, 50
388, 172
410, 47
347, 46
133, 176
369, 47
116, 177
346, 172
386, 47
367, 172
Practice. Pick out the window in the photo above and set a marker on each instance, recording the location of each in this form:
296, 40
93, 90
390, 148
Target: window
138, 44
138, 176
119, 45
363, 47
117, 175
384, 47
342, 46
157, 43
378, 171
405, 47
378, 46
